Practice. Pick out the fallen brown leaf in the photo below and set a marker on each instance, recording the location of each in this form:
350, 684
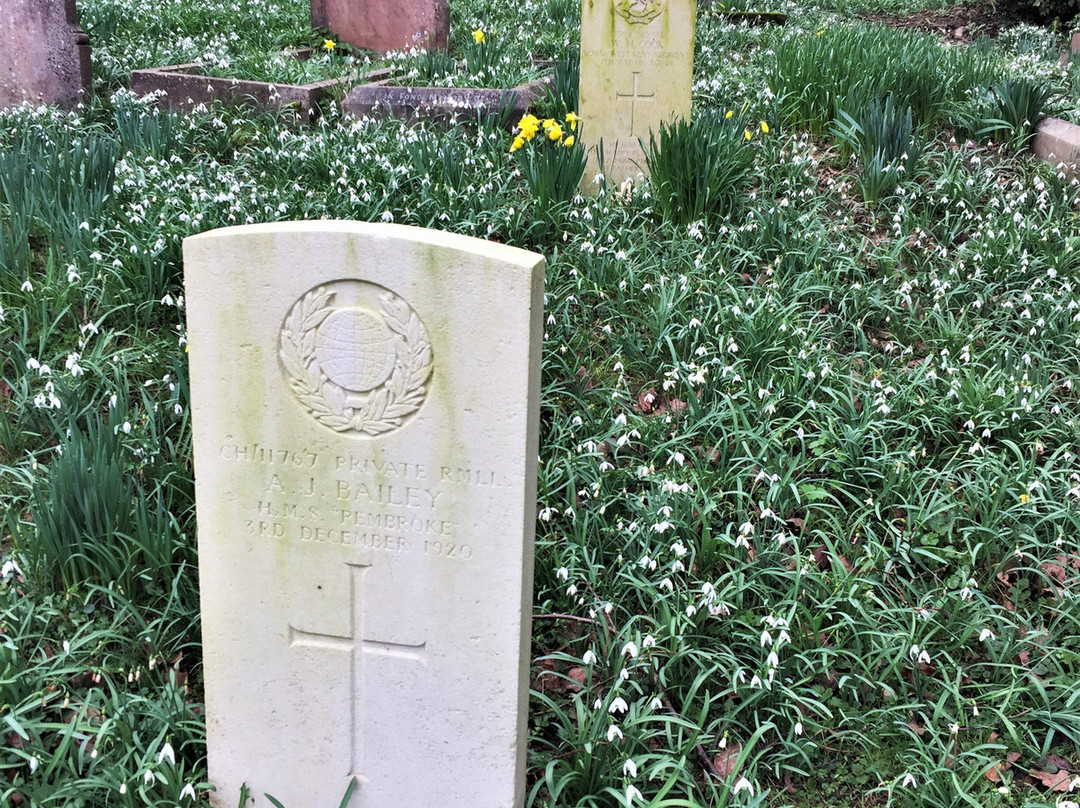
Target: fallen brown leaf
726, 761
1058, 781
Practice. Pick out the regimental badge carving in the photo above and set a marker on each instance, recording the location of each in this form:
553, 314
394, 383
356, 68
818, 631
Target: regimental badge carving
639, 11
356, 356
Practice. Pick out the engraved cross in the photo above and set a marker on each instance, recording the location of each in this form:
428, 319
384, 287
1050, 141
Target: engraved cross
634, 97
360, 647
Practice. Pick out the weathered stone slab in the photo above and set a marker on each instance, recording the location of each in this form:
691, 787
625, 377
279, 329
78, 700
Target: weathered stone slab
442, 104
365, 409
183, 87
45, 55
385, 25
1058, 143
637, 59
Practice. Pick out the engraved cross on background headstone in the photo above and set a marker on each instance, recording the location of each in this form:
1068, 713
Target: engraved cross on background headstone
361, 648
634, 98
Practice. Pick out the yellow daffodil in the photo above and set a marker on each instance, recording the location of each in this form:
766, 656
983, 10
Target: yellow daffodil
478, 36
572, 119
329, 45
519, 141
528, 126
746, 134
1024, 498
569, 142
764, 127
728, 114
555, 132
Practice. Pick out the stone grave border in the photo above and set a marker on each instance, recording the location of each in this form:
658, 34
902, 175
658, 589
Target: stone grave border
183, 87
1058, 143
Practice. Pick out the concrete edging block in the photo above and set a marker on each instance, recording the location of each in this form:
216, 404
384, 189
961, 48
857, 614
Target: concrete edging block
1058, 143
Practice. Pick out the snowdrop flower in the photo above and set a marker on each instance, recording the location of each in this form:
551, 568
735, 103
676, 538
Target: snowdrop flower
986, 634
66, 646
743, 785
629, 768
34, 763
148, 777
755, 683
766, 639
27, 286
656, 704
614, 732
618, 705
954, 728
123, 788
589, 658
798, 728
10, 568
167, 753
188, 791
562, 573
630, 649
909, 781
632, 793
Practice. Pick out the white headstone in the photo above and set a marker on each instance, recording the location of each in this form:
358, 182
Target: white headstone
637, 61
365, 402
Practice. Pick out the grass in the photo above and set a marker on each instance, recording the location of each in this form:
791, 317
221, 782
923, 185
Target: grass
808, 483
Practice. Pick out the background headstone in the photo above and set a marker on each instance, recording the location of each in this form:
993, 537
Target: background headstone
365, 403
385, 25
637, 59
44, 55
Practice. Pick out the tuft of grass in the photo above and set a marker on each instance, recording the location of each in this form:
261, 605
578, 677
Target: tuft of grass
699, 170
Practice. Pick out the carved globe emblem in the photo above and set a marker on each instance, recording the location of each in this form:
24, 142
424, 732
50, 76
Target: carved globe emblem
355, 349
356, 356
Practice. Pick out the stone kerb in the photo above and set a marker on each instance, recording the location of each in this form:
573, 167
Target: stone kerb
183, 87
1058, 143
45, 54
448, 105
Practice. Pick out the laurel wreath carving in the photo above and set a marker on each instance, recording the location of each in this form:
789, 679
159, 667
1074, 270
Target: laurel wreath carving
382, 408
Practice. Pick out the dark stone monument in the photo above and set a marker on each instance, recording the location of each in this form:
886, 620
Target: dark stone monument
44, 54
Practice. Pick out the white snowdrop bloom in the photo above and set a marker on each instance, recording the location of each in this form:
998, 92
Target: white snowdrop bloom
924, 658
632, 793
909, 781
188, 792
766, 639
167, 753
629, 768
630, 649
562, 573
66, 646
666, 584
10, 568
148, 777
387, 216
123, 788
618, 705
27, 286
798, 728
589, 657
954, 728
656, 704
986, 634
755, 682
34, 763
743, 785
614, 732
772, 660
